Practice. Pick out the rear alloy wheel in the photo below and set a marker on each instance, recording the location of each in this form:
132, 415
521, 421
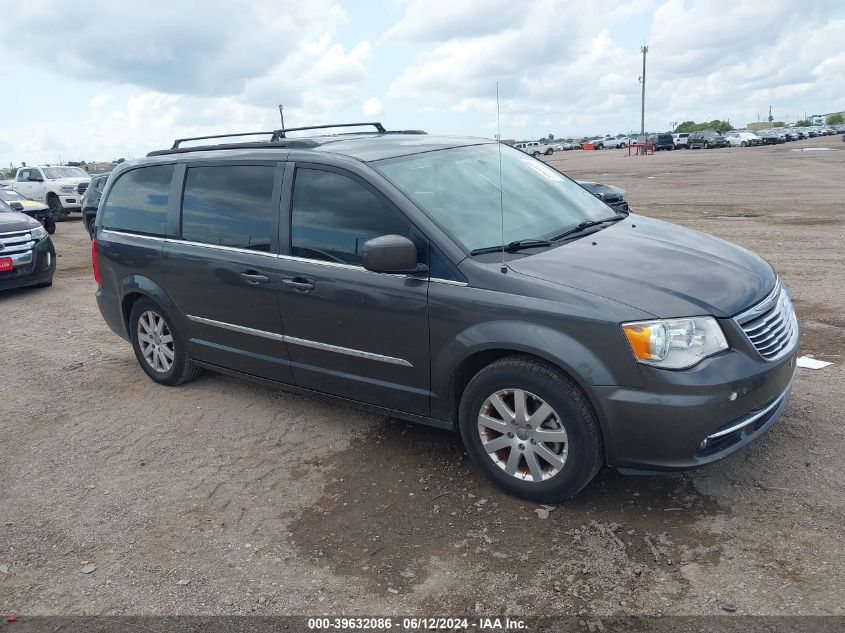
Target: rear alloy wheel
530, 430
743, 144
706, 145
158, 346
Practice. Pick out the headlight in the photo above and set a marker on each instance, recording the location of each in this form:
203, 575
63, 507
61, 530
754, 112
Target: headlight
38, 233
67, 188
675, 343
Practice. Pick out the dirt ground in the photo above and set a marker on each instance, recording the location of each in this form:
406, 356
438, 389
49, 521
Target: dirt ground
221, 497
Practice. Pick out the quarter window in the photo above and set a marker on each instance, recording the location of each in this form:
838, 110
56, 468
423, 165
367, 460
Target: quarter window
137, 202
230, 205
333, 216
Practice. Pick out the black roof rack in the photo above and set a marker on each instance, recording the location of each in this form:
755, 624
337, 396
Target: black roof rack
276, 135
278, 138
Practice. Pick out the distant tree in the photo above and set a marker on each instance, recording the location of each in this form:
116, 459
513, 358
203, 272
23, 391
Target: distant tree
715, 124
804, 123
835, 119
778, 123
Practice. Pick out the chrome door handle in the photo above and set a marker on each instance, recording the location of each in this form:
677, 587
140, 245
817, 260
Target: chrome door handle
298, 283
254, 278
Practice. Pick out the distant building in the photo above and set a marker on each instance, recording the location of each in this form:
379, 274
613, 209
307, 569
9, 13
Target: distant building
817, 119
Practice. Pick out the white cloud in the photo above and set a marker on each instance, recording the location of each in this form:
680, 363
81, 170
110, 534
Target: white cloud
372, 106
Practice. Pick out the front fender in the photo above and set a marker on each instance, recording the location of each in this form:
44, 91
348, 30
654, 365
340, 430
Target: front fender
595, 358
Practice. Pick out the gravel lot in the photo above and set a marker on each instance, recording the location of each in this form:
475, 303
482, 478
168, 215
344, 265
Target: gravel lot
225, 497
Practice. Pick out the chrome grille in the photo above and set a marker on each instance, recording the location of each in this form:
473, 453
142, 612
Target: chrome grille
771, 325
15, 242
81, 187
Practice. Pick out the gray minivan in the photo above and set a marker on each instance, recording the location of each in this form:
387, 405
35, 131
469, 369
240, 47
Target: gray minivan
451, 281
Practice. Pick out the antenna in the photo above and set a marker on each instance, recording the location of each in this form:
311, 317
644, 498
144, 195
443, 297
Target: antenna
501, 191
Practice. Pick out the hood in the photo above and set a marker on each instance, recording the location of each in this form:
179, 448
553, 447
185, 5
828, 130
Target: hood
660, 268
601, 190
15, 221
27, 205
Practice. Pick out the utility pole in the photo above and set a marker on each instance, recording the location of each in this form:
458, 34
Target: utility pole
644, 51
282, 114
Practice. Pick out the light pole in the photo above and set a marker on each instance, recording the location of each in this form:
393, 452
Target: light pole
644, 51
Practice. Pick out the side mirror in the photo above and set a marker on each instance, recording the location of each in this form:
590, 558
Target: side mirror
392, 254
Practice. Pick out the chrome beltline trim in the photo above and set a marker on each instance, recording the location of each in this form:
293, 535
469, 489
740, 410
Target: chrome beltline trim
754, 415
302, 342
292, 258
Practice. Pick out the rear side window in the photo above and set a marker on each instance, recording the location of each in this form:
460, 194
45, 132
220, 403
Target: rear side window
333, 216
137, 202
230, 205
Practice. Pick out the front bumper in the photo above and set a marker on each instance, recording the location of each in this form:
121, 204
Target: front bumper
71, 202
32, 267
686, 419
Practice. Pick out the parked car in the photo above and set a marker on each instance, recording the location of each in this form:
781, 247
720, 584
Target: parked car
743, 139
33, 209
27, 256
707, 139
535, 148
614, 197
663, 141
61, 188
548, 350
680, 140
767, 137
91, 199
566, 146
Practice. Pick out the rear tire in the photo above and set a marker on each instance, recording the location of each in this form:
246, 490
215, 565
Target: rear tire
545, 459
159, 348
743, 144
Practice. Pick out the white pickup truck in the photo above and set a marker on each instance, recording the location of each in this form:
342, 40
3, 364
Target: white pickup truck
535, 148
609, 142
59, 187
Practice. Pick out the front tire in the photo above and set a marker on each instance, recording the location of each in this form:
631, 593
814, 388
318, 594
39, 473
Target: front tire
549, 152
530, 430
159, 348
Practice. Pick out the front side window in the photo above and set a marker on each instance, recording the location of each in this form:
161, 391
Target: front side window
333, 216
137, 202
230, 205
459, 189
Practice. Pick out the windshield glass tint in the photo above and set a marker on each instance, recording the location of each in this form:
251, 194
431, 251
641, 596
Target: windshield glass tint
64, 172
459, 189
8, 194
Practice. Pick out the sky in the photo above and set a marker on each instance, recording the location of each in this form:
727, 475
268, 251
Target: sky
100, 80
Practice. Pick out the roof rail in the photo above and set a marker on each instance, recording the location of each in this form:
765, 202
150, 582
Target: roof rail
278, 138
281, 133
275, 135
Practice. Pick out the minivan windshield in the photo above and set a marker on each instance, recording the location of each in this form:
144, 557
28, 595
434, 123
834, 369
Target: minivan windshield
64, 172
458, 189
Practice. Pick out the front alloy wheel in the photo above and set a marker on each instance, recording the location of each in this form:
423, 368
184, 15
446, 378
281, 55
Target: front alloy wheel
523, 435
530, 429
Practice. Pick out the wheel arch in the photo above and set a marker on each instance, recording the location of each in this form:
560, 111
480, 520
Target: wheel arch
135, 287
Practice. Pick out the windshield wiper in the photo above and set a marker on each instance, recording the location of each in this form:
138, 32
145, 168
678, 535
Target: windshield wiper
586, 225
511, 247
